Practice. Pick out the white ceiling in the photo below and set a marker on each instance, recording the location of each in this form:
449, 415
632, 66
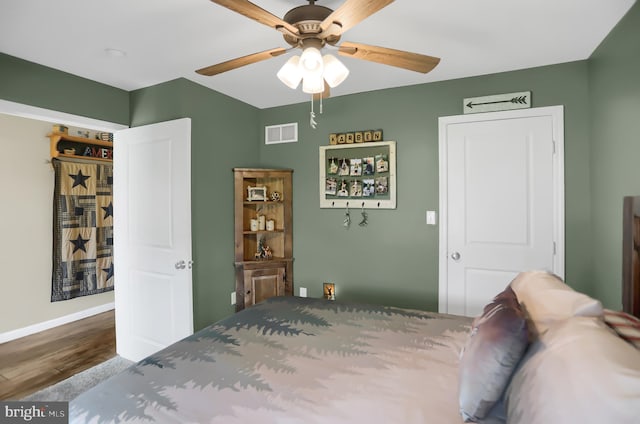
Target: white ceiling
168, 39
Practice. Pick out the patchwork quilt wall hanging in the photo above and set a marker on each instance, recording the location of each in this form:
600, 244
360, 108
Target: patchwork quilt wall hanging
82, 229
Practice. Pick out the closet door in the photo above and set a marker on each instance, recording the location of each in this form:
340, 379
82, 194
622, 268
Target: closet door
502, 197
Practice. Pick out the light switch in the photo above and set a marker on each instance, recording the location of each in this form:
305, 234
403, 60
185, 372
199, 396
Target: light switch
431, 217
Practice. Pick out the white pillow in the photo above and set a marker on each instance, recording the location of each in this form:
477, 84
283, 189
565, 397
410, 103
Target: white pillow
546, 299
577, 372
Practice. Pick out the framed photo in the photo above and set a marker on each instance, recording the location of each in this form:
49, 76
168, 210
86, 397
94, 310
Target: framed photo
329, 291
382, 185
368, 187
355, 189
344, 167
344, 189
368, 166
256, 194
356, 167
332, 167
365, 175
382, 163
331, 186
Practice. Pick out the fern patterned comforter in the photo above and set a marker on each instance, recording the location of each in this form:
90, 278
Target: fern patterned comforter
294, 360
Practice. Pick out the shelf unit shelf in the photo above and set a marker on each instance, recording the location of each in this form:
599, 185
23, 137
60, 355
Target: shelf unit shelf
57, 137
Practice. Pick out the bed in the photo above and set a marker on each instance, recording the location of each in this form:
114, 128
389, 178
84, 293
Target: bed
540, 353
294, 360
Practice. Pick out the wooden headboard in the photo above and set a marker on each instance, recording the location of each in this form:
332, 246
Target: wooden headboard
631, 255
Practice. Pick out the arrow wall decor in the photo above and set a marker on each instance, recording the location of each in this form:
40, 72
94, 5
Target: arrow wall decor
521, 100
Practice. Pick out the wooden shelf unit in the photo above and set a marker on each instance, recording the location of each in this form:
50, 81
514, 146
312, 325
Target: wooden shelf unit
258, 279
57, 137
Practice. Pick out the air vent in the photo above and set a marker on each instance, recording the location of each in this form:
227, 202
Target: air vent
283, 133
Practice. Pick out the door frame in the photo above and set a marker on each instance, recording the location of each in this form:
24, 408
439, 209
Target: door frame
22, 110
41, 114
557, 115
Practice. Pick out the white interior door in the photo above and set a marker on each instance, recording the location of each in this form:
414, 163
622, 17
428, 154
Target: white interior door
152, 237
501, 202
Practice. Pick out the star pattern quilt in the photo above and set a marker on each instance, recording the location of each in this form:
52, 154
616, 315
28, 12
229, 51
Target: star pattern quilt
294, 360
82, 229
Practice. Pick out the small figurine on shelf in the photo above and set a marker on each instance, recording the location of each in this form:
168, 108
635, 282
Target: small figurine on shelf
276, 196
258, 254
263, 251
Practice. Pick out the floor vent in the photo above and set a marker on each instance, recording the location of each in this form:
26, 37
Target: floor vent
283, 133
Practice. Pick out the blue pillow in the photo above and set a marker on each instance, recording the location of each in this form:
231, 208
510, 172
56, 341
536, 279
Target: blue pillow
498, 340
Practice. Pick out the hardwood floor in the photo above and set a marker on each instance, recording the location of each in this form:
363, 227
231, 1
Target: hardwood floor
40, 360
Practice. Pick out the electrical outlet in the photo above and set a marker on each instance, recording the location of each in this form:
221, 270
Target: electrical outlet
303, 292
233, 298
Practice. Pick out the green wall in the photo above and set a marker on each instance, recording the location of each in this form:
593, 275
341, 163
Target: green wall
395, 259
36, 85
223, 135
614, 76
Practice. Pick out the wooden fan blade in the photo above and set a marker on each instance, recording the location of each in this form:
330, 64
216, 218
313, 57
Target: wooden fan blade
399, 58
241, 61
349, 14
251, 11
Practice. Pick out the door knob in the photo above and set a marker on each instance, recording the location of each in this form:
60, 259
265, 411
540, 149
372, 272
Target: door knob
455, 256
181, 265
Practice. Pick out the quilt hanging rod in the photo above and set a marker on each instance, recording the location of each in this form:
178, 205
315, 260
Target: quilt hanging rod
89, 160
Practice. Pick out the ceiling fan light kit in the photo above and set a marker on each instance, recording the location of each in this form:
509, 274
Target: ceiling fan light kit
291, 74
313, 83
311, 27
313, 70
334, 71
311, 60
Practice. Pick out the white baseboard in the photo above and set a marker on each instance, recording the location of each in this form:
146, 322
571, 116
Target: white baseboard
46, 325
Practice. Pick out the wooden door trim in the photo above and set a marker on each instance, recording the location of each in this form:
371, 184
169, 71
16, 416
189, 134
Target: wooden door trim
557, 114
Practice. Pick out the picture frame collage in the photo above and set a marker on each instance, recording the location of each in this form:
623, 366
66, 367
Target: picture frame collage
358, 177
365, 173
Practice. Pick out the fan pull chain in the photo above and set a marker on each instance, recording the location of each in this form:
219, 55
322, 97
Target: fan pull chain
347, 218
312, 116
321, 96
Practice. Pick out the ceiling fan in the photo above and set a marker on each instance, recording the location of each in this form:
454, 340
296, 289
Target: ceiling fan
311, 27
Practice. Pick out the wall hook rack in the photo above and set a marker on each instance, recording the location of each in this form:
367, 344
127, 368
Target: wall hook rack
358, 173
